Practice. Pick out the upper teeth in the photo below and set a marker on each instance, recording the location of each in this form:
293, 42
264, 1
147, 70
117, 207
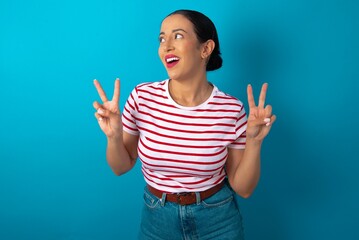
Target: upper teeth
172, 59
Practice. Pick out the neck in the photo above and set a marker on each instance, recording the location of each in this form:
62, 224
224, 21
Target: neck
190, 93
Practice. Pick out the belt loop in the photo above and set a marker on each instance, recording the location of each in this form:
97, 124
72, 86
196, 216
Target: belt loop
198, 198
163, 199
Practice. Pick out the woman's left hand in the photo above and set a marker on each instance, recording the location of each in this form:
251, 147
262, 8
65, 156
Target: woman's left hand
260, 118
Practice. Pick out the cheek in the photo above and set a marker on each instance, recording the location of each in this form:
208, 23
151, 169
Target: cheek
192, 49
160, 53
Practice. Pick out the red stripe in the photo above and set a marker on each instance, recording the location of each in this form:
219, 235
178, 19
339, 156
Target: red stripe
164, 185
131, 106
154, 101
133, 99
181, 176
239, 143
153, 176
226, 97
242, 116
183, 153
133, 129
183, 131
128, 111
240, 126
143, 85
187, 116
171, 179
183, 138
157, 88
181, 161
181, 145
190, 188
181, 168
226, 104
130, 120
153, 94
188, 124
215, 110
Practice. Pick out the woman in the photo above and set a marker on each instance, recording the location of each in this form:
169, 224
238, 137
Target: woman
196, 145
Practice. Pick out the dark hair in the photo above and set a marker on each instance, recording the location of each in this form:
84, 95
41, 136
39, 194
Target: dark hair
205, 30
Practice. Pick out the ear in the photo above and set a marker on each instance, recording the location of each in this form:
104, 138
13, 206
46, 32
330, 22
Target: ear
207, 48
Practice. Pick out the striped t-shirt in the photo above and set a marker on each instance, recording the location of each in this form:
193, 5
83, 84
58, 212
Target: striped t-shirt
183, 149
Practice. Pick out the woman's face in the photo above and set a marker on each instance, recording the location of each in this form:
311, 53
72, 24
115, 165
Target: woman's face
179, 49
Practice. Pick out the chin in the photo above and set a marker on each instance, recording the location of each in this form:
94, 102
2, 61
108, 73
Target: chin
173, 75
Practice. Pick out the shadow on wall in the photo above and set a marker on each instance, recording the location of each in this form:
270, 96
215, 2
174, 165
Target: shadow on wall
294, 192
258, 56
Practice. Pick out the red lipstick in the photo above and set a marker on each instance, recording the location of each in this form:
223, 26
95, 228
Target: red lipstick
171, 60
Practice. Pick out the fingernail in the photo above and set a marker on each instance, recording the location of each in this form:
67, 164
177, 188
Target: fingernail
267, 124
100, 111
267, 120
100, 119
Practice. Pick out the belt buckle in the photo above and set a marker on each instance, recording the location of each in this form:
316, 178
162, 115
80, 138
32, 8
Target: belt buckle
180, 199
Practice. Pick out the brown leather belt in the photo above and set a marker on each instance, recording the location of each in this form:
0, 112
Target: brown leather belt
186, 198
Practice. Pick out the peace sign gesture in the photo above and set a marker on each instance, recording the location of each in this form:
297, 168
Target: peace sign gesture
260, 117
108, 113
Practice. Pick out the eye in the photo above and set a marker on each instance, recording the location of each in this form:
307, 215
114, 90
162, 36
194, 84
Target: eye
178, 36
161, 39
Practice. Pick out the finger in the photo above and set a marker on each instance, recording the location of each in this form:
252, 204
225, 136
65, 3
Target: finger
260, 122
104, 112
116, 93
272, 119
262, 96
97, 105
100, 91
251, 102
269, 121
99, 117
268, 111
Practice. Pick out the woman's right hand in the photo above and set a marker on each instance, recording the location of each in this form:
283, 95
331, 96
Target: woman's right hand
108, 114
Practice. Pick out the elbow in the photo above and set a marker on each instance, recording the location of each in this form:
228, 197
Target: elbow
244, 193
117, 172
122, 169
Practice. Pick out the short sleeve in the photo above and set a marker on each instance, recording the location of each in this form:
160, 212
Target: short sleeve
240, 129
129, 114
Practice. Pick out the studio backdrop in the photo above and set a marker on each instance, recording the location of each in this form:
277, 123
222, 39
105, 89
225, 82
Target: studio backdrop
54, 179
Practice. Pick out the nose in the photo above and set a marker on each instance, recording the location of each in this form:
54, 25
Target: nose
168, 45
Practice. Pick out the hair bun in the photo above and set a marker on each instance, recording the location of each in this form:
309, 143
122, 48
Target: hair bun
214, 62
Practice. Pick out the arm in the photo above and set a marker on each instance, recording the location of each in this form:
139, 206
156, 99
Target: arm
121, 150
243, 166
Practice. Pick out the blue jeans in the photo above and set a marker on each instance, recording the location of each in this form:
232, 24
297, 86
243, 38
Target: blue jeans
217, 217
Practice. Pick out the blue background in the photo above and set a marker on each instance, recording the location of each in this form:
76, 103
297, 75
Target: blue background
54, 179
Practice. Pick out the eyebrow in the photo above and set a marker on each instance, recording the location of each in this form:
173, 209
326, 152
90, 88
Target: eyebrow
174, 30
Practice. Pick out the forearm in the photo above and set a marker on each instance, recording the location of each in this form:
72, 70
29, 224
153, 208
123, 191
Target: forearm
118, 157
247, 173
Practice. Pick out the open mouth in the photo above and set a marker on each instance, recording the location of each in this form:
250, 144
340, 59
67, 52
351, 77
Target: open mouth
171, 60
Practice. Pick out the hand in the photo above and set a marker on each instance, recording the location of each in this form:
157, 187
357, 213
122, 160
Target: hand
260, 118
108, 113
